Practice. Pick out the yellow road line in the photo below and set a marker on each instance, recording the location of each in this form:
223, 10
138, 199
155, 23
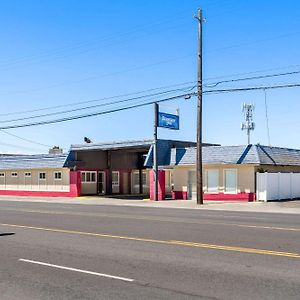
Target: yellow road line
119, 216
167, 242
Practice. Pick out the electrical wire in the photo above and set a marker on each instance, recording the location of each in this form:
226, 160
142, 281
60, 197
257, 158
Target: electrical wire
254, 78
92, 114
95, 113
24, 139
96, 106
244, 89
96, 100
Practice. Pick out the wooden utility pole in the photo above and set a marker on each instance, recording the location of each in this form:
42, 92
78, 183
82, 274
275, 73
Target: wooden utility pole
199, 173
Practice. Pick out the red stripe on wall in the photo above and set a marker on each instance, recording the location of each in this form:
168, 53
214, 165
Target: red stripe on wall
37, 193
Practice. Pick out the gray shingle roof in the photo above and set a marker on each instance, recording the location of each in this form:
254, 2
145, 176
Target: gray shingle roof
251, 154
164, 150
114, 145
40, 161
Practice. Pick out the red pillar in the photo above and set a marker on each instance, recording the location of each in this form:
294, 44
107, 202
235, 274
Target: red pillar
75, 184
121, 182
161, 185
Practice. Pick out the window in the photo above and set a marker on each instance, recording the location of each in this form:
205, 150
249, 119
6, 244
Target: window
57, 175
230, 180
115, 178
88, 177
82, 176
2, 174
42, 176
136, 178
144, 176
27, 174
14, 174
212, 179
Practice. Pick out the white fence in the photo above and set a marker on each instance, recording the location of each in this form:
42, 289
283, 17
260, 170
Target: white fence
277, 186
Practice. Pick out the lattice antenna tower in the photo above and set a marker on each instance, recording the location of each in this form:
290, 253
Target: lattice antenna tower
248, 124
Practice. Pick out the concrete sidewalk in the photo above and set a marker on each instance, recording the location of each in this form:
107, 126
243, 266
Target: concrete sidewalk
291, 207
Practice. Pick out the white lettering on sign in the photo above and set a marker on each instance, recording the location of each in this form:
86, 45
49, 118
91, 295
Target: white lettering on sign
168, 121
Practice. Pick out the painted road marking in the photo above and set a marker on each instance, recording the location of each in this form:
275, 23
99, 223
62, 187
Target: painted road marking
76, 270
167, 242
171, 220
42, 211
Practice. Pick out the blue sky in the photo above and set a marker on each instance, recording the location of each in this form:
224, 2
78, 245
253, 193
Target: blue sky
62, 52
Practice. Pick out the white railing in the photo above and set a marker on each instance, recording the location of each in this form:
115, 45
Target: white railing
277, 186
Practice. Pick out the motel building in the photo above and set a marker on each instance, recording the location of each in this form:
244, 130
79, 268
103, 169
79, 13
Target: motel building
231, 172
125, 168
114, 168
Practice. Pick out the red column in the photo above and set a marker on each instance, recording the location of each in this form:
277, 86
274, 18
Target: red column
161, 185
121, 182
75, 184
129, 182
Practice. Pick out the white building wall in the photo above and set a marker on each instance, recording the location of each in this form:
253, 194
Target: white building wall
32, 182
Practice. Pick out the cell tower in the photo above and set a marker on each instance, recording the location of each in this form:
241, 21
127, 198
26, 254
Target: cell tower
248, 124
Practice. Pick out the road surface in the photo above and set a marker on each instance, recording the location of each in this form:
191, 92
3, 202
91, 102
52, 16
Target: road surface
71, 251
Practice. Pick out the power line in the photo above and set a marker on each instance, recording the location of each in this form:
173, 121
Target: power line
212, 84
95, 106
95, 113
96, 100
129, 94
24, 139
244, 89
104, 75
253, 72
254, 78
92, 114
17, 146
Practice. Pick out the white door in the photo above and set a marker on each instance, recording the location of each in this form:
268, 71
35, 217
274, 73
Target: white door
192, 188
212, 179
115, 182
230, 181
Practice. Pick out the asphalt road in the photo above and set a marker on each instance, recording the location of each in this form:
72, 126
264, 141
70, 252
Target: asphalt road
65, 251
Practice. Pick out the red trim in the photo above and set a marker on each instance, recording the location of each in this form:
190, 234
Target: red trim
75, 184
179, 195
161, 185
241, 197
106, 181
129, 182
121, 191
37, 193
247, 197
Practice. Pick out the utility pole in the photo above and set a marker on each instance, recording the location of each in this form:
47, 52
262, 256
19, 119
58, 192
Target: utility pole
199, 174
155, 165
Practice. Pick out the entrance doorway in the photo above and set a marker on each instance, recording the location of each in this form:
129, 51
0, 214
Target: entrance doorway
101, 183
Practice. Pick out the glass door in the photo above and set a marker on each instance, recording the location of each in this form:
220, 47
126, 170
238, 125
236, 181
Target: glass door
101, 183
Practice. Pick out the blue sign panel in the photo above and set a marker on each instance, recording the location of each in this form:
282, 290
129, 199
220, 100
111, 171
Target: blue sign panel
168, 121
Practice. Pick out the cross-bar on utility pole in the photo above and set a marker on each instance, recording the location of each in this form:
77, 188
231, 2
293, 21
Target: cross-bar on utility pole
199, 173
155, 165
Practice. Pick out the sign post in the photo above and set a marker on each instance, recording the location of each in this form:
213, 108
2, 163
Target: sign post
163, 120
